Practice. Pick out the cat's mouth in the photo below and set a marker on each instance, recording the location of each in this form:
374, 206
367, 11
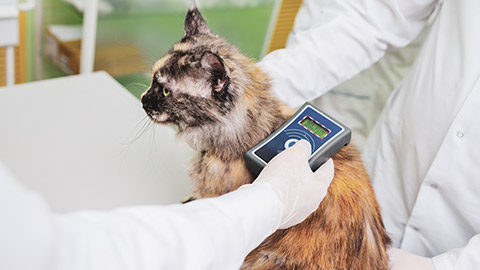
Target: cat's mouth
164, 119
160, 118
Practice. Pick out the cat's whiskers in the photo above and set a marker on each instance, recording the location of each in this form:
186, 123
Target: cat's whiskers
149, 56
144, 86
146, 123
134, 87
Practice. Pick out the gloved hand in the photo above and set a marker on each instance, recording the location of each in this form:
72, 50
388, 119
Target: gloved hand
299, 189
403, 260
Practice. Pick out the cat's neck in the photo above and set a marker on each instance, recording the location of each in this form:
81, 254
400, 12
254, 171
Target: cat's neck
246, 126
254, 123
252, 119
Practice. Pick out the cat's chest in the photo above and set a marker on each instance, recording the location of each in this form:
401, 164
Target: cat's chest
213, 176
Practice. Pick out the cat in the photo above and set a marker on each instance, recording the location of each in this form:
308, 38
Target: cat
221, 103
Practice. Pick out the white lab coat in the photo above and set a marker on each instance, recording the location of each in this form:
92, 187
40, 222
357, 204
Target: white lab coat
205, 234
424, 153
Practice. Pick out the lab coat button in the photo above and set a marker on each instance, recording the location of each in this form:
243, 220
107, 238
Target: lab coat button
415, 228
460, 134
434, 186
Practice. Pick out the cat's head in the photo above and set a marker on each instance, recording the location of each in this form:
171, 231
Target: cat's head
196, 83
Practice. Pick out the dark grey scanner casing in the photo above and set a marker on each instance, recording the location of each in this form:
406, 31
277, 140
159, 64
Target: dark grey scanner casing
325, 134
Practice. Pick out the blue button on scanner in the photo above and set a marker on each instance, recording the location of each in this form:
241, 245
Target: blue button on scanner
290, 143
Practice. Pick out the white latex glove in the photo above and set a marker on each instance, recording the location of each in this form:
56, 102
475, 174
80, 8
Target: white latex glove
403, 260
299, 189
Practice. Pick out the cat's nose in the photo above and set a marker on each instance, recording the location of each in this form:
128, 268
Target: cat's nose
149, 101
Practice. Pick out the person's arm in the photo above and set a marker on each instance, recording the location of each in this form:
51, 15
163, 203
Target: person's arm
334, 40
214, 233
205, 234
404, 260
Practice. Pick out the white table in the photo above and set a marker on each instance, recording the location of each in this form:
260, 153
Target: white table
71, 140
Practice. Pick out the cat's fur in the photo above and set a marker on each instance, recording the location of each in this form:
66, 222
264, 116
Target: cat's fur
220, 101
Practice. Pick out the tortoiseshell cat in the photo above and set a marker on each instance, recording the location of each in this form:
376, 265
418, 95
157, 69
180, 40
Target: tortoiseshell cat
220, 101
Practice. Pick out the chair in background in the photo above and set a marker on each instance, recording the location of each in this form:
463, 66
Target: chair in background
281, 24
13, 41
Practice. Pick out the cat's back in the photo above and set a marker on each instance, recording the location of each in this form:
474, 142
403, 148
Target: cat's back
346, 231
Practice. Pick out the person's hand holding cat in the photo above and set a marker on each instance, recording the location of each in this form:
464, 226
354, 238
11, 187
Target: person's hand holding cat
299, 189
404, 260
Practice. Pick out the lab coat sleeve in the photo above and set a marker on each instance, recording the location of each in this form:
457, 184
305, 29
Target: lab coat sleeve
205, 234
334, 40
465, 258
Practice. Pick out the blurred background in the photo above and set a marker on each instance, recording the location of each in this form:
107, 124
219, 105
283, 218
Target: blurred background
131, 35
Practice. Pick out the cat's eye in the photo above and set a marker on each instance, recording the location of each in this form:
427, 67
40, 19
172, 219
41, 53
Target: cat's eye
166, 92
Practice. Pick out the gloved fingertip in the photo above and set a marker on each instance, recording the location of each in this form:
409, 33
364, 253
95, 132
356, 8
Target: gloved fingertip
304, 146
329, 162
327, 169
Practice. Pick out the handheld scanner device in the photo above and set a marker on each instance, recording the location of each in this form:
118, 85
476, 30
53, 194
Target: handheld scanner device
325, 134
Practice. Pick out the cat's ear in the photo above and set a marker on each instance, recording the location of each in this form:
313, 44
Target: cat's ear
214, 64
194, 22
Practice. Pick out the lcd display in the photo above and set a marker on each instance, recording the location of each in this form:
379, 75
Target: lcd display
314, 127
